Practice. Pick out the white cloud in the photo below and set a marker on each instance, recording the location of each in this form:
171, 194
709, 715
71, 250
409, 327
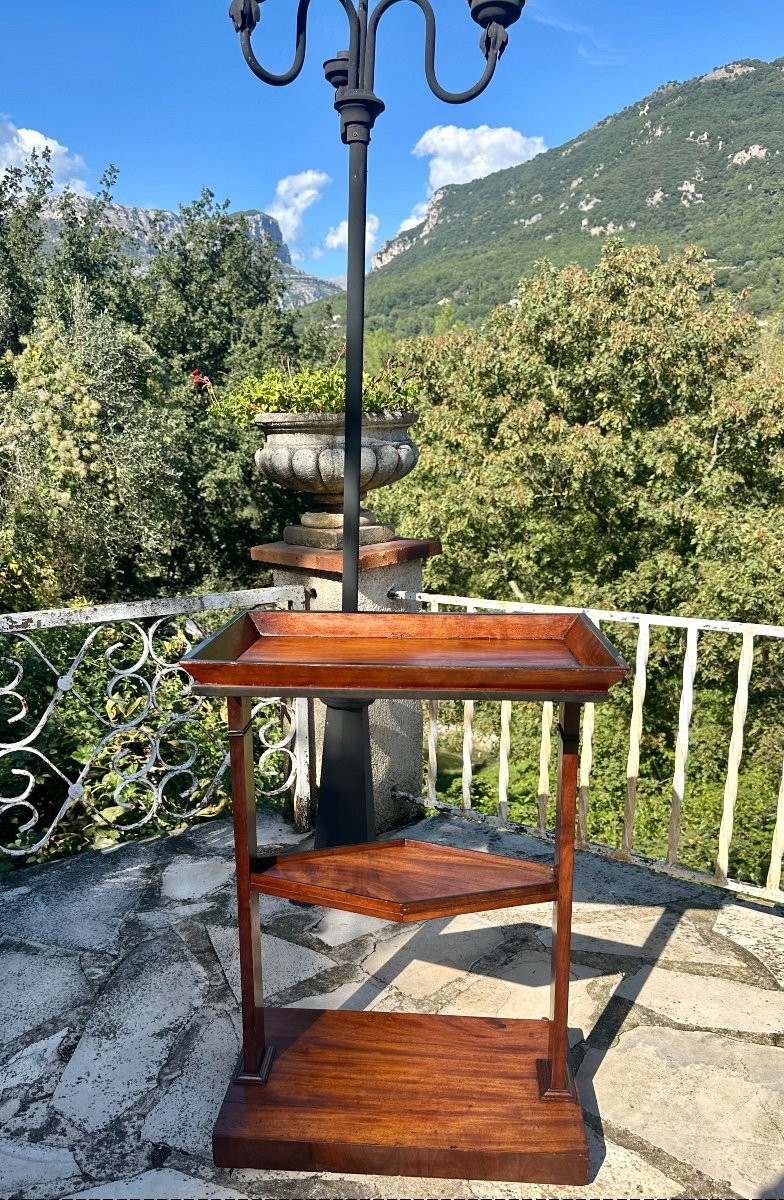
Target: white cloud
295, 194
16, 146
593, 49
418, 214
460, 155
547, 13
337, 237
599, 53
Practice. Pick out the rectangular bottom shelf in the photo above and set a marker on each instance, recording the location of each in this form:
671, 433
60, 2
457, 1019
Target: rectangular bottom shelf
403, 1094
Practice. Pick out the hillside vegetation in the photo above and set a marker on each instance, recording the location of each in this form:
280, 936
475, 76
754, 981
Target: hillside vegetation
697, 162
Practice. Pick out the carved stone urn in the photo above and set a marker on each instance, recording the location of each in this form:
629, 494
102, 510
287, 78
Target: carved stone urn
304, 452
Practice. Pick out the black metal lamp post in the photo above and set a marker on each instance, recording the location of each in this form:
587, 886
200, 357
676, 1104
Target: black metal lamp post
345, 800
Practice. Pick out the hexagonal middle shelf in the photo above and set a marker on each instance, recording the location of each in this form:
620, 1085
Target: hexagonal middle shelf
404, 880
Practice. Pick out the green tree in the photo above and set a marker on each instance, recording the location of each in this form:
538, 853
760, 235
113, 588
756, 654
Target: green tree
22, 195
615, 439
211, 298
86, 481
88, 246
611, 438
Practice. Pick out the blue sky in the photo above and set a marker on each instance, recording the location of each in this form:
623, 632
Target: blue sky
159, 88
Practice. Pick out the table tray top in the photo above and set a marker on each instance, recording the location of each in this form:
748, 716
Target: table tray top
377, 654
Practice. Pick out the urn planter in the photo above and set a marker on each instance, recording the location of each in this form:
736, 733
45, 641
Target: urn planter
304, 452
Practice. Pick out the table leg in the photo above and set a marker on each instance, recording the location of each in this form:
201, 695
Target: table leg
555, 1077
256, 1058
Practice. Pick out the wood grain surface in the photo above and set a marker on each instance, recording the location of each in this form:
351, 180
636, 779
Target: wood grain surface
403, 1094
330, 562
454, 654
404, 880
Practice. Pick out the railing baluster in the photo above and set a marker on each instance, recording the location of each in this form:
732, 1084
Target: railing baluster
645, 622
468, 746
301, 748
432, 750
745, 664
777, 849
468, 740
503, 762
635, 734
682, 743
586, 762
432, 740
545, 750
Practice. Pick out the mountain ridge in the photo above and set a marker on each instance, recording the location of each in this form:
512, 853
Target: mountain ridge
139, 224
695, 162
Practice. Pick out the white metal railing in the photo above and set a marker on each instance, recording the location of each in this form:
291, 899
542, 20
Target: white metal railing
110, 671
748, 633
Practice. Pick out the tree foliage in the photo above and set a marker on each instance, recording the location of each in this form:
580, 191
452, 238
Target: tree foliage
115, 479
211, 297
610, 438
85, 471
673, 169
22, 194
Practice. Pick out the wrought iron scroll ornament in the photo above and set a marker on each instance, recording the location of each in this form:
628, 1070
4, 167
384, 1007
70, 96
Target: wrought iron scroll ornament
148, 698
357, 72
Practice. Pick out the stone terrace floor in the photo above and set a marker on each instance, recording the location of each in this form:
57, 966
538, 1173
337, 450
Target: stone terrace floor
118, 998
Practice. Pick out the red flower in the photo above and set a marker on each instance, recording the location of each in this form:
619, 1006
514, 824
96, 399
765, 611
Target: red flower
199, 381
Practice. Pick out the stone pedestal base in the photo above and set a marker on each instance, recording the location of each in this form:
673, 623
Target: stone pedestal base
322, 529
332, 539
396, 726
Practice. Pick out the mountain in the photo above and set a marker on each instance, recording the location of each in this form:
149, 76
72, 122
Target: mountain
697, 162
138, 225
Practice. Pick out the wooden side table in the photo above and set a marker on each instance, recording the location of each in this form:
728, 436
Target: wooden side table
404, 1093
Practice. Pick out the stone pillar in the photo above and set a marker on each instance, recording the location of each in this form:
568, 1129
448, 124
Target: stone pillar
396, 729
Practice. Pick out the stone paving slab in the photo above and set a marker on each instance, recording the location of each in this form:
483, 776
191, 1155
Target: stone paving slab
190, 878
28, 1065
358, 995
758, 930
217, 836
639, 931
35, 1171
522, 992
474, 835
159, 1185
421, 959
80, 903
185, 1114
713, 1103
130, 1032
704, 1003
336, 928
36, 986
121, 1028
284, 964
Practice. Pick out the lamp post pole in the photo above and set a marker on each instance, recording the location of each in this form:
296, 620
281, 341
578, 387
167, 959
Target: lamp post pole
345, 798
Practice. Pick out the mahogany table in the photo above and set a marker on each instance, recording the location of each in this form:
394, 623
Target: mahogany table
404, 1093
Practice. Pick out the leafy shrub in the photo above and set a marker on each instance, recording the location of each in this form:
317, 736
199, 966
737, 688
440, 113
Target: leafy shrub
314, 390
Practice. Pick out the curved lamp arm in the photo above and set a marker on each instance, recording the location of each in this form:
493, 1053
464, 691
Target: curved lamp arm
494, 40
246, 15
